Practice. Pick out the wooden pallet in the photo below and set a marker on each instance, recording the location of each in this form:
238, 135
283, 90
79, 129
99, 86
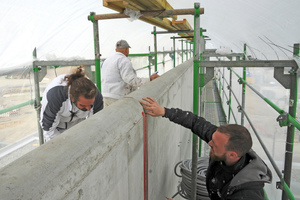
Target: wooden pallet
151, 5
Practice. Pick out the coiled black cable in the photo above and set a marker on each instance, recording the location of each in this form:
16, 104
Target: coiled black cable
184, 187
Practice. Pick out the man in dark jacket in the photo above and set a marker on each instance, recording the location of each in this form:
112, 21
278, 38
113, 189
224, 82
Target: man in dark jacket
235, 171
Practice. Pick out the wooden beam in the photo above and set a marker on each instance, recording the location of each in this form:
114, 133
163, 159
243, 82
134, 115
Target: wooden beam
166, 13
165, 23
136, 5
151, 5
115, 5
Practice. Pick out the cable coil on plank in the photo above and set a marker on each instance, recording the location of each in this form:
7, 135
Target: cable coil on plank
184, 188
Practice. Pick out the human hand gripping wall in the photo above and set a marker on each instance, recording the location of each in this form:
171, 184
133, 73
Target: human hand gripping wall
152, 107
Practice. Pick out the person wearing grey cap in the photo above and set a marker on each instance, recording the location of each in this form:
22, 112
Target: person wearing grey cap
118, 78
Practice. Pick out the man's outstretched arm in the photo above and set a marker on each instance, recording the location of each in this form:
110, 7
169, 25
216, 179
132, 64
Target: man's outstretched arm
197, 124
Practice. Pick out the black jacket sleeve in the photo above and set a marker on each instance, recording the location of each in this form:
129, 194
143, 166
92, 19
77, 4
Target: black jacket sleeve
198, 125
98, 104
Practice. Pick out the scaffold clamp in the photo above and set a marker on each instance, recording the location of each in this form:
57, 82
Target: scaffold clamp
279, 185
283, 120
37, 68
239, 109
91, 17
240, 80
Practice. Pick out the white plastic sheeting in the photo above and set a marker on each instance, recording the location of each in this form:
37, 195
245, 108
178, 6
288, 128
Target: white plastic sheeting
60, 29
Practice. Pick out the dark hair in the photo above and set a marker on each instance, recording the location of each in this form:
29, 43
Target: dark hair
80, 85
239, 140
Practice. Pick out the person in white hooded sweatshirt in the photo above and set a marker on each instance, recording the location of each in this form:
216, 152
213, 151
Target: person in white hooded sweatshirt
118, 78
68, 100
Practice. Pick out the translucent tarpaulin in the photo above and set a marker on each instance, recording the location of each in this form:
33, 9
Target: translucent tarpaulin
60, 29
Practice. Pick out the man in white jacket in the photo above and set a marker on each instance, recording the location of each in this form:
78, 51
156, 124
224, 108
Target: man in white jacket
118, 78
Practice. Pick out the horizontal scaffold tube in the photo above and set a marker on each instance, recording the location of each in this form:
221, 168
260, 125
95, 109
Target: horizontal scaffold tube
141, 54
255, 63
165, 13
290, 118
29, 102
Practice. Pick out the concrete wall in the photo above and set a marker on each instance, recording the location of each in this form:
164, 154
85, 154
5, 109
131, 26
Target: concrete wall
102, 157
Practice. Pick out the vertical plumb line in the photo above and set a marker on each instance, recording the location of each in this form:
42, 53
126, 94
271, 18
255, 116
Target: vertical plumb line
145, 150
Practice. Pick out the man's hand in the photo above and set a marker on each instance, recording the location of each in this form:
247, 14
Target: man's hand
153, 76
152, 107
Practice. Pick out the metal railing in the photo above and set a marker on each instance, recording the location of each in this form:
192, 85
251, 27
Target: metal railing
285, 119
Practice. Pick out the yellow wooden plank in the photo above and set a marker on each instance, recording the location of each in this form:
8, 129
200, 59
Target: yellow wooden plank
141, 5
164, 24
147, 5
164, 3
136, 5
110, 1
159, 5
114, 5
189, 27
153, 4
176, 27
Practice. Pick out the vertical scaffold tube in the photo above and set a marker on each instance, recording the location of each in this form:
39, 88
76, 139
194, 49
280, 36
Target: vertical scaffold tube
244, 88
97, 50
195, 95
186, 50
149, 61
190, 49
155, 47
174, 52
37, 104
202, 84
164, 55
181, 51
289, 148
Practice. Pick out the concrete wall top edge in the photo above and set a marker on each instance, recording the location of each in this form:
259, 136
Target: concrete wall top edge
54, 161
161, 85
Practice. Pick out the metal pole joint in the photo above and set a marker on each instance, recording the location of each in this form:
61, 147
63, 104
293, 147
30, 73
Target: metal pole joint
291, 102
239, 108
241, 81
283, 120
279, 185
91, 17
37, 68
36, 106
293, 71
197, 10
